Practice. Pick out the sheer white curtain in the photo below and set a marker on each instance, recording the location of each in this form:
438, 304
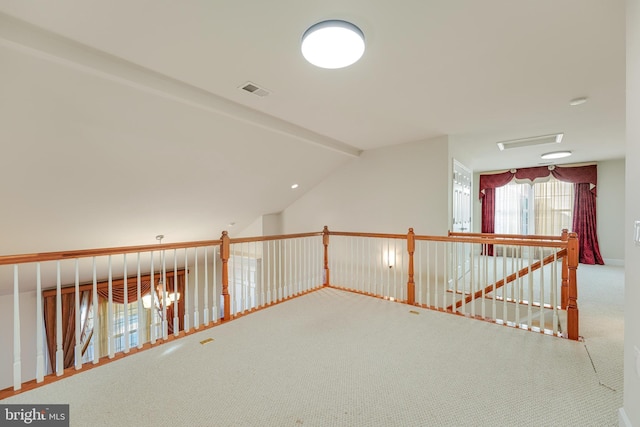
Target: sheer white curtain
542, 208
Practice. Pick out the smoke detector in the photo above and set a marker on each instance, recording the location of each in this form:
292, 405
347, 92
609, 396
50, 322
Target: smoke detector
254, 89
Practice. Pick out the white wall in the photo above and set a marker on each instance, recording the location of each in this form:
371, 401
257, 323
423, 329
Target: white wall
610, 208
386, 190
632, 252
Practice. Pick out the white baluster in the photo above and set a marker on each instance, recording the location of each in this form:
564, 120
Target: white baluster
165, 321
280, 279
418, 280
542, 271
485, 279
291, 290
363, 254
243, 280
196, 319
435, 268
126, 304
428, 272
39, 333
505, 314
458, 249
518, 284
176, 319
472, 280
233, 297
152, 283
96, 318
268, 260
59, 351
214, 306
78, 346
111, 315
554, 287
206, 289
495, 280
17, 361
187, 326
445, 270
141, 328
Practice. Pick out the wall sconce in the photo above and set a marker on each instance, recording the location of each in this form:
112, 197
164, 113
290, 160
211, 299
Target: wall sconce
389, 258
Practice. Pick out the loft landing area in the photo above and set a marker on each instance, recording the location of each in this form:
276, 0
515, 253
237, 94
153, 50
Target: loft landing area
74, 310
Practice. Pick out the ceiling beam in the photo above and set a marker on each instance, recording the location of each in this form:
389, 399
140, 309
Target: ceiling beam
24, 37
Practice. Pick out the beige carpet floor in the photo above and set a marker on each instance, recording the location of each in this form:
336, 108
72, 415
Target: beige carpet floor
334, 358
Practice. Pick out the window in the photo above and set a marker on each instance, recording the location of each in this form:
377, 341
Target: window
119, 323
542, 208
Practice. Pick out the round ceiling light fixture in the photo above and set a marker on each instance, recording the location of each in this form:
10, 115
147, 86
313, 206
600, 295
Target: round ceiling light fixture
556, 155
333, 44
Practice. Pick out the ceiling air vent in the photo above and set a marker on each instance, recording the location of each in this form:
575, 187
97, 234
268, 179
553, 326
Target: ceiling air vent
254, 89
555, 138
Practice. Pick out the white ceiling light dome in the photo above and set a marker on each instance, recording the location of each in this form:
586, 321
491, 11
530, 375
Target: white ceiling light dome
556, 155
333, 44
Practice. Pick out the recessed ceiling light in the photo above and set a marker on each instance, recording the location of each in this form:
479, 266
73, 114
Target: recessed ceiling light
555, 155
578, 101
332, 44
294, 186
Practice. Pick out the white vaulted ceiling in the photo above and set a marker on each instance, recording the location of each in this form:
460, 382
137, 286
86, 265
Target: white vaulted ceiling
123, 119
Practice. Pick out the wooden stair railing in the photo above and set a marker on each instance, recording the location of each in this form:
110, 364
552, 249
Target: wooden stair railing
511, 278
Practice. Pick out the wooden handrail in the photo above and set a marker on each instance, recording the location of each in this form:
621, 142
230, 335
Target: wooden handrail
505, 236
496, 241
273, 237
512, 277
376, 235
88, 253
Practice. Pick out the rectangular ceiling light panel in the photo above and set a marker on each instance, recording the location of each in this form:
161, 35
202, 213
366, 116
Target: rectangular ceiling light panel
555, 138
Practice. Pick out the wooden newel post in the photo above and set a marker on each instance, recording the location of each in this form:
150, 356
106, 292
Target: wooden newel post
224, 257
411, 286
564, 289
573, 330
325, 242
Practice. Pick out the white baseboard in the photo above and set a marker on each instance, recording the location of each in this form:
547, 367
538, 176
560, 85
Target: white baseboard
613, 261
623, 420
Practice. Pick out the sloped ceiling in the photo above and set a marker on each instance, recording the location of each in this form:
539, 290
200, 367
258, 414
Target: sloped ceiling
123, 119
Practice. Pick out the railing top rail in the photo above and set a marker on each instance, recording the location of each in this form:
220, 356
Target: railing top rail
480, 238
274, 237
376, 235
496, 241
505, 236
87, 253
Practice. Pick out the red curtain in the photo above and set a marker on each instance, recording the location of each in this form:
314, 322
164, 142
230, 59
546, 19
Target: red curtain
575, 175
488, 216
68, 325
584, 179
584, 223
